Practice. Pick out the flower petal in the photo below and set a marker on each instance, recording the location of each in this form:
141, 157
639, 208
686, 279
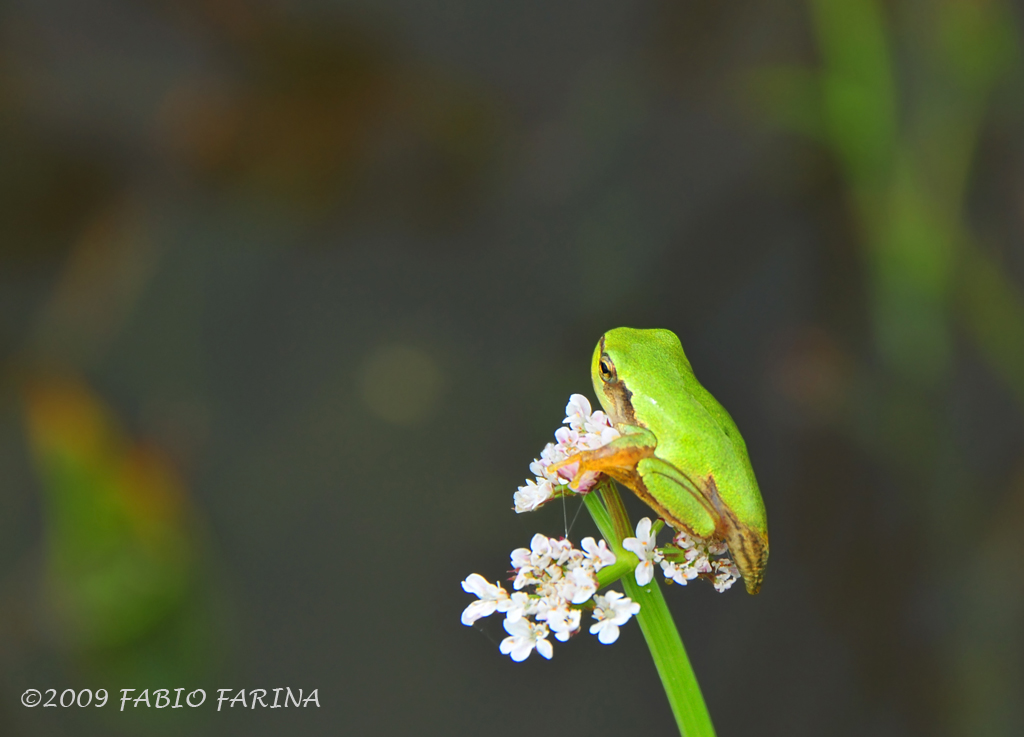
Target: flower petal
644, 573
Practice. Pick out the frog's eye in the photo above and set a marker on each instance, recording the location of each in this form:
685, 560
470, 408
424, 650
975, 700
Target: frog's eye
607, 369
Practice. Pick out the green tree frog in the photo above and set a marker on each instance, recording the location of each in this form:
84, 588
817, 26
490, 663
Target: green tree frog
679, 450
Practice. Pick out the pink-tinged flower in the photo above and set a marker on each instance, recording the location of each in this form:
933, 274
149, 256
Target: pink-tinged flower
491, 598
585, 431
524, 637
567, 440
598, 423
611, 612
644, 547
567, 473
586, 482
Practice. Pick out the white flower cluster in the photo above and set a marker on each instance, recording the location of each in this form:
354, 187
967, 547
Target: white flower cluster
562, 579
689, 557
586, 431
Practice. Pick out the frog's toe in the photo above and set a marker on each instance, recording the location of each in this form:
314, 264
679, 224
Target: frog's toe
560, 464
576, 458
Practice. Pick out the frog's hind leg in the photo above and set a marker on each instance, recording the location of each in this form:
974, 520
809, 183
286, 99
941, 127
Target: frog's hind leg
679, 499
748, 547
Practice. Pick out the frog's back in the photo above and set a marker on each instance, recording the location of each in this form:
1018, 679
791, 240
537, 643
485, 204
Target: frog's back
694, 431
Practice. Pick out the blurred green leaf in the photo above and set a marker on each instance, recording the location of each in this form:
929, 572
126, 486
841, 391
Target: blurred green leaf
123, 584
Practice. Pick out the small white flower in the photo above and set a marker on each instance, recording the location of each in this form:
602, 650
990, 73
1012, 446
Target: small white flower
726, 574
525, 576
577, 412
551, 454
611, 612
644, 547
681, 574
563, 621
532, 495
492, 598
540, 547
584, 584
540, 552
525, 636
531, 565
520, 558
539, 468
520, 605
597, 552
560, 551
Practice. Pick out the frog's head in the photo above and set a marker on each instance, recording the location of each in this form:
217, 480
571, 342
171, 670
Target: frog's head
625, 356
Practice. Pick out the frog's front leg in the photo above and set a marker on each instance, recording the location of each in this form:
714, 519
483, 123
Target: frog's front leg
629, 459
618, 459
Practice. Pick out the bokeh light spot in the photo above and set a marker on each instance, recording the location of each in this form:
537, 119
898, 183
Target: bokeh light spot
401, 384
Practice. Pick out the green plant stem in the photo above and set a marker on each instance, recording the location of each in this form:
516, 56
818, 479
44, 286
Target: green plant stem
677, 676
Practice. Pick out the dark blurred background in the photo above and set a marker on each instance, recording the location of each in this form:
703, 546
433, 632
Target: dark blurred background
292, 293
